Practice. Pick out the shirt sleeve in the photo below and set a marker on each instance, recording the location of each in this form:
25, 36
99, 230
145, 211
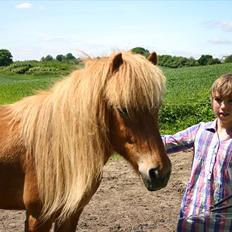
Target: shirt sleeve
180, 141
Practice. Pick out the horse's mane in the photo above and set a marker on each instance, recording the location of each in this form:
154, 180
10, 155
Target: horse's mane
65, 129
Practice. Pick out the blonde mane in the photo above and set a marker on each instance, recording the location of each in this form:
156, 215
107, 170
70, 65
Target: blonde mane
65, 130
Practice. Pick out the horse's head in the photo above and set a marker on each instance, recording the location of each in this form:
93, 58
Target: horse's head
138, 140
134, 95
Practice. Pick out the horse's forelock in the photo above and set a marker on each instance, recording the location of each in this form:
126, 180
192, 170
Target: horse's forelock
137, 85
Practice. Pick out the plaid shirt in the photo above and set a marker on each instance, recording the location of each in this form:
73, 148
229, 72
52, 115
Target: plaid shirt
210, 179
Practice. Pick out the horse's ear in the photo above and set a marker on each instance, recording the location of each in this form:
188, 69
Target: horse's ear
117, 61
153, 58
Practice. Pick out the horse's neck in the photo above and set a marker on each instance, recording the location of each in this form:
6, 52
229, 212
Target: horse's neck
11, 144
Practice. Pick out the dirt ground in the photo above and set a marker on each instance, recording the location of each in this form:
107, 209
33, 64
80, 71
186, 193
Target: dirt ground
122, 203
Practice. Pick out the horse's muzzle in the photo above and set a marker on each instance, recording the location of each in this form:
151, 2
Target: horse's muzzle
154, 180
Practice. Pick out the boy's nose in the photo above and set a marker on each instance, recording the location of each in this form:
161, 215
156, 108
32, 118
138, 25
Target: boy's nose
223, 104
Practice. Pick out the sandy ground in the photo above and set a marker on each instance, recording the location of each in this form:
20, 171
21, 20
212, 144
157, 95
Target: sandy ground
122, 203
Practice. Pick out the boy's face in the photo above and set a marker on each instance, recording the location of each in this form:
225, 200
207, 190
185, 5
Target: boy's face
222, 108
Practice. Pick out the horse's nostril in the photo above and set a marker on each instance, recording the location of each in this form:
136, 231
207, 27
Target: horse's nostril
154, 173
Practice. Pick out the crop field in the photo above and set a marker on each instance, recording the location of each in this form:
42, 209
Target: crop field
186, 101
13, 88
192, 84
187, 98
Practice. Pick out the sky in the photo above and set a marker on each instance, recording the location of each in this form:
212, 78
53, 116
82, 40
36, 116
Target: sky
33, 29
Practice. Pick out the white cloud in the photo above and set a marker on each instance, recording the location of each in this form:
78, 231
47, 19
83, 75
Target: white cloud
223, 25
220, 41
226, 26
24, 5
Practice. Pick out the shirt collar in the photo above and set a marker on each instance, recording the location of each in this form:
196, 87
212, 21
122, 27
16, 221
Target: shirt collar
212, 126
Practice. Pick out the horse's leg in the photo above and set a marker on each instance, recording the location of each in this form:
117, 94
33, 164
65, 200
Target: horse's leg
33, 204
34, 225
69, 224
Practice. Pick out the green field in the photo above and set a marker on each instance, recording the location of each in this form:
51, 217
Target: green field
186, 101
13, 88
36, 75
187, 98
192, 84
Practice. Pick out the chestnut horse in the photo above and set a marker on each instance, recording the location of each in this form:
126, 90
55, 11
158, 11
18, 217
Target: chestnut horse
53, 145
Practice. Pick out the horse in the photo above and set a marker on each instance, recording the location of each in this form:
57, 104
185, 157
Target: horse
54, 144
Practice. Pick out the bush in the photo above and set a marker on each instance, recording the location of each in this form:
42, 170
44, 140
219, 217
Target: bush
228, 59
173, 118
42, 70
19, 67
62, 66
176, 61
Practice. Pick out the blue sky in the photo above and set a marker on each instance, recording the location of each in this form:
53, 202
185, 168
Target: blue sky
32, 29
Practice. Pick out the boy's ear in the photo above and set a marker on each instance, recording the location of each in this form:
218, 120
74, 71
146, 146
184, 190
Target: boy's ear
153, 58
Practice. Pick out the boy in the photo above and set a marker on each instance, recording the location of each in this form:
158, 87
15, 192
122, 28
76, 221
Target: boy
211, 175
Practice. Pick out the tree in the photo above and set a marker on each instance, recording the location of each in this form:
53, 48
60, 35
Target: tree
70, 56
205, 60
192, 62
228, 59
60, 57
216, 61
5, 57
141, 51
47, 58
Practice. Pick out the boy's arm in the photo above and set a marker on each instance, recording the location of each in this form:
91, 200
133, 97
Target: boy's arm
180, 141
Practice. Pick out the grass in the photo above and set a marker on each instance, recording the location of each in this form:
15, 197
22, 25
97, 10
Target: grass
37, 75
192, 84
186, 101
15, 87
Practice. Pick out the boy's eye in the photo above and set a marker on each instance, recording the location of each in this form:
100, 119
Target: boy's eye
218, 99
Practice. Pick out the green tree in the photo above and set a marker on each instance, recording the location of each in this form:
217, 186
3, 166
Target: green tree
205, 60
60, 57
216, 61
228, 59
165, 60
5, 57
140, 50
47, 58
70, 56
192, 62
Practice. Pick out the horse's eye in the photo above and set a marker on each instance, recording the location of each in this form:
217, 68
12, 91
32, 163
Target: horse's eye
123, 112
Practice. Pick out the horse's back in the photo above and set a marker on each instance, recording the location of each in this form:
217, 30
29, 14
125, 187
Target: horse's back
11, 158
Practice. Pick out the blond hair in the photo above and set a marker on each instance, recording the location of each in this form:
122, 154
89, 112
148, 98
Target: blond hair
222, 86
